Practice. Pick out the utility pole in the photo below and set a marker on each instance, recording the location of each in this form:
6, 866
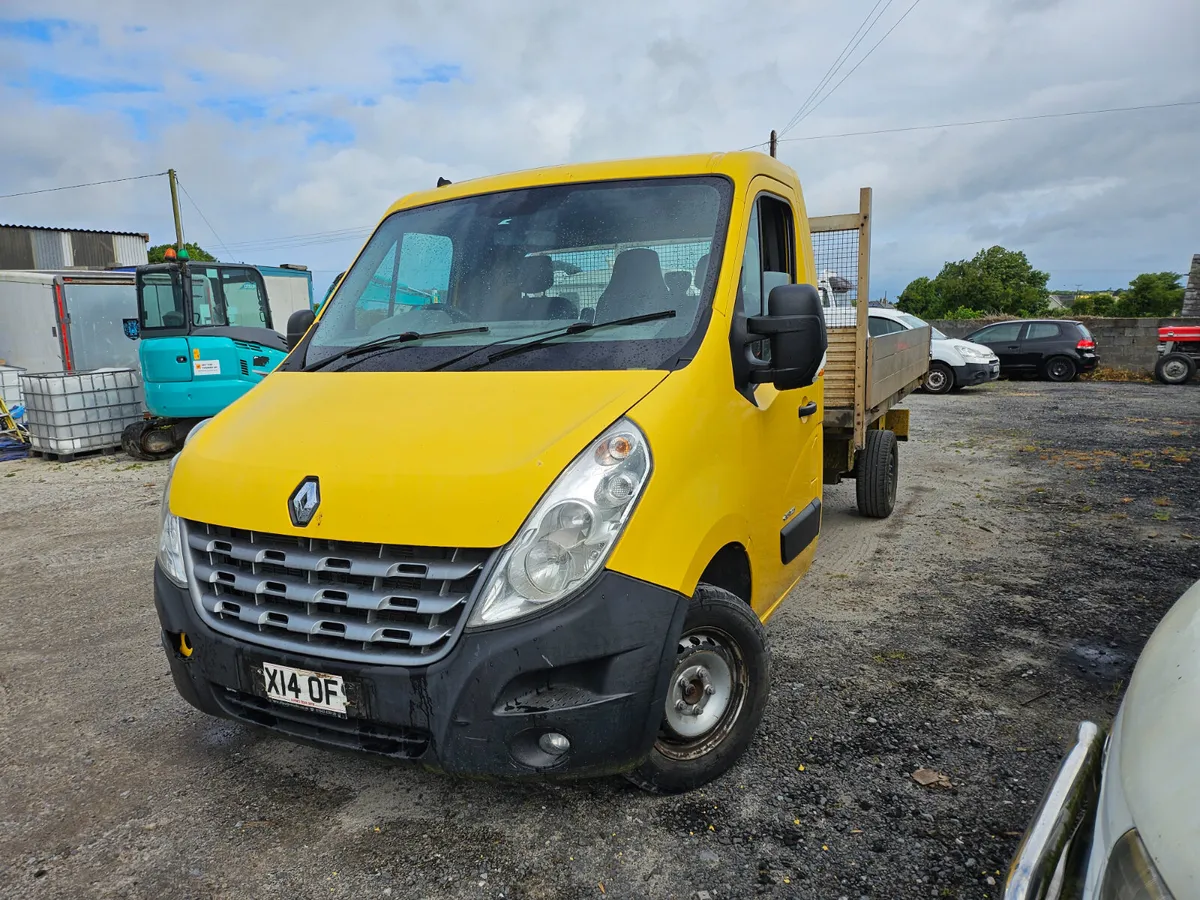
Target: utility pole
175, 209
774, 142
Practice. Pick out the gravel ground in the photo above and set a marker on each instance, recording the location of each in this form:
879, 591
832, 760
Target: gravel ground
1041, 532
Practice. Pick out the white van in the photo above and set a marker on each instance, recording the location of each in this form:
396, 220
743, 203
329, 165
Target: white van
953, 364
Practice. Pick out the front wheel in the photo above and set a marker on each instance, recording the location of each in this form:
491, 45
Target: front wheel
1174, 368
715, 698
1059, 368
939, 379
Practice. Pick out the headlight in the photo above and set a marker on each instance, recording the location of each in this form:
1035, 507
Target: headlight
972, 353
170, 539
571, 531
1130, 874
195, 430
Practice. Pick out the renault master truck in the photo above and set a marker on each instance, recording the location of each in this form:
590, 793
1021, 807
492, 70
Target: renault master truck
582, 437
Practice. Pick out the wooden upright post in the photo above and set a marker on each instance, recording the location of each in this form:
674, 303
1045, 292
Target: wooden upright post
175, 209
861, 374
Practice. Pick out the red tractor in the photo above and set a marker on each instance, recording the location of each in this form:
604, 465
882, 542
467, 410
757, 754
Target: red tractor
1178, 353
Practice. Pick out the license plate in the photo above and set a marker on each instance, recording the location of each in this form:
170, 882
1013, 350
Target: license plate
301, 687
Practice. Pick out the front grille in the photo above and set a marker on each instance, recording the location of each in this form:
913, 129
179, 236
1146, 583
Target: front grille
248, 345
353, 734
375, 603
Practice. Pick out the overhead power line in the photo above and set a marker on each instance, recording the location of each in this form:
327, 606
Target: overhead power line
865, 57
204, 217
1058, 115
71, 187
836, 65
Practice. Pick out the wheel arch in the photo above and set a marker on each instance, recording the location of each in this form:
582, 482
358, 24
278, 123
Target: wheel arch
729, 569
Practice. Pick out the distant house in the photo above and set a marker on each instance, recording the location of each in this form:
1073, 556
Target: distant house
1062, 300
33, 247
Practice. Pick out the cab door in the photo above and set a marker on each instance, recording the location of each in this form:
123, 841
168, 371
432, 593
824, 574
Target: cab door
782, 430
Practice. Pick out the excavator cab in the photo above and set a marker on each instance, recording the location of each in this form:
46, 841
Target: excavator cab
206, 338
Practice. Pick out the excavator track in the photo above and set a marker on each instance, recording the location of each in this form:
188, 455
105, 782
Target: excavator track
148, 440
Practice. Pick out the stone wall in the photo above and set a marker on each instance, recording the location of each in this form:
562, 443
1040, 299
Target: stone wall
1120, 343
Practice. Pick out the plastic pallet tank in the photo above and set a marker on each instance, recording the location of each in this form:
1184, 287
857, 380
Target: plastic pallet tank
70, 413
10, 385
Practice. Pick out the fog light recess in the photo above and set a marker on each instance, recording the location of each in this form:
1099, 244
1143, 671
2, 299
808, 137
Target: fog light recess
554, 743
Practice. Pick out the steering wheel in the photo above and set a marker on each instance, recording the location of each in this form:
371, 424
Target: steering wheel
455, 314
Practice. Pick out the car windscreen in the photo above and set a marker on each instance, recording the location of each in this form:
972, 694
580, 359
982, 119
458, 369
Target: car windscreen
913, 322
513, 264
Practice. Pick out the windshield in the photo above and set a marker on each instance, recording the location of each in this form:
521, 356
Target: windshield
913, 322
520, 263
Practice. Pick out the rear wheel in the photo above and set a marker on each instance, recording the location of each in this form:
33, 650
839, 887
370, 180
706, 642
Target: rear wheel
876, 473
1059, 368
1174, 368
716, 696
939, 379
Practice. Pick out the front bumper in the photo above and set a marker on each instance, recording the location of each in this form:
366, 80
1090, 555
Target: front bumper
594, 669
1051, 857
972, 374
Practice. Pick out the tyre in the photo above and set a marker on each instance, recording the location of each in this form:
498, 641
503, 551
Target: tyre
715, 698
1060, 368
1174, 368
143, 441
876, 473
939, 379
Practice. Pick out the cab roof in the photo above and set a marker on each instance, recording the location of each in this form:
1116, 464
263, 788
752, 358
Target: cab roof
740, 166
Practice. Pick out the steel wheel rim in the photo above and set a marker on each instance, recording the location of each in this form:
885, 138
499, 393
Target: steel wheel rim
707, 658
935, 380
1174, 370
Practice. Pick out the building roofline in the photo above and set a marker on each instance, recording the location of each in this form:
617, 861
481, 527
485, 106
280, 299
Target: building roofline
143, 235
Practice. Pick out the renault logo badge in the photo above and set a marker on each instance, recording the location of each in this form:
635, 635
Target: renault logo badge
305, 499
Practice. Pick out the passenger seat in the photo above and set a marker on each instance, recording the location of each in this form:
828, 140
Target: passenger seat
536, 276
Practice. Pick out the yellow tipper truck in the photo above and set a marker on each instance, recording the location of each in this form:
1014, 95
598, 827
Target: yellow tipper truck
577, 463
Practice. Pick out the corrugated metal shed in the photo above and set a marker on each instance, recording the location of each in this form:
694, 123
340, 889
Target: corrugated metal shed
27, 247
51, 249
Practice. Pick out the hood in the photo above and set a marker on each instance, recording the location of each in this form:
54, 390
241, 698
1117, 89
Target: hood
1159, 734
442, 459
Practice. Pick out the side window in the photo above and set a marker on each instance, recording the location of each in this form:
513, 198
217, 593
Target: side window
752, 269
418, 275
999, 334
770, 259
1040, 331
243, 302
878, 325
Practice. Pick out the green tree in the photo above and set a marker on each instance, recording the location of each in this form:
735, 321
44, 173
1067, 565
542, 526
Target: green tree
995, 282
1157, 294
195, 251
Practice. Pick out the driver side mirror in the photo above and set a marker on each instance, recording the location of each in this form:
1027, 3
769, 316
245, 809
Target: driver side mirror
795, 325
298, 324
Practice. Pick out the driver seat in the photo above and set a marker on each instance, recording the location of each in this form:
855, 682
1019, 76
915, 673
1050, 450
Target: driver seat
636, 287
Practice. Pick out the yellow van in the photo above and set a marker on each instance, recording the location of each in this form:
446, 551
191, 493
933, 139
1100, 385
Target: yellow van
521, 499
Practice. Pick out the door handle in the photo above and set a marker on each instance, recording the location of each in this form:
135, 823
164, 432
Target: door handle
181, 359
1012, 347
808, 408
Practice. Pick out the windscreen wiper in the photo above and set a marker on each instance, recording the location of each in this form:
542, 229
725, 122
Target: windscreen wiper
388, 341
546, 336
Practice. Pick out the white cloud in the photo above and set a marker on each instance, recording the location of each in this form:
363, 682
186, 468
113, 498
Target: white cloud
463, 89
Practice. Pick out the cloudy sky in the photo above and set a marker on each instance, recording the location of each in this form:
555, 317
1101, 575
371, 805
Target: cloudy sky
293, 125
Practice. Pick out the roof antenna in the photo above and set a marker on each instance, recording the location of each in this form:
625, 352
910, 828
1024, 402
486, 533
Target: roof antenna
442, 182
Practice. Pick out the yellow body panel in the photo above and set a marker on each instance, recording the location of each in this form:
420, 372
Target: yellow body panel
436, 459
460, 458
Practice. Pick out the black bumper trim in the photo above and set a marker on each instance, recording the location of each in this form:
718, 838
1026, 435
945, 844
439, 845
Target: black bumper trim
972, 374
594, 669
